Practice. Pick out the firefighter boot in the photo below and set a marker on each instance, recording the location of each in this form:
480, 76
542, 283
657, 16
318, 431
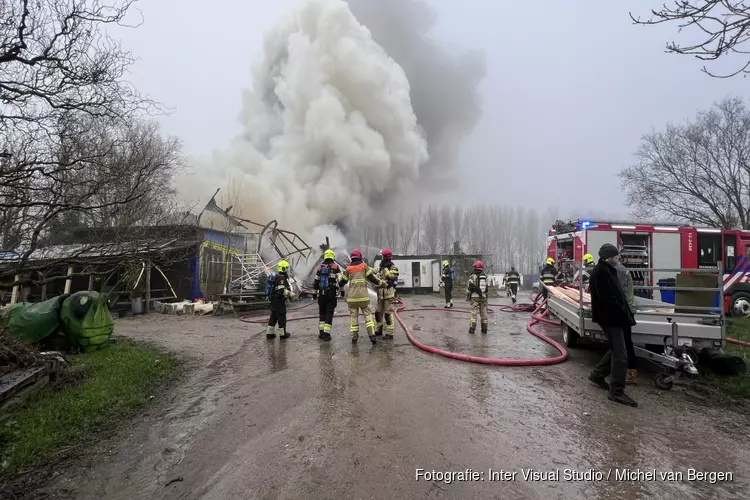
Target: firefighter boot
271, 332
283, 334
632, 378
484, 327
451, 303
379, 331
447, 305
472, 328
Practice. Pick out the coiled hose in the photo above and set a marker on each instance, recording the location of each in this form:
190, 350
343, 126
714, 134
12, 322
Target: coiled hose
531, 307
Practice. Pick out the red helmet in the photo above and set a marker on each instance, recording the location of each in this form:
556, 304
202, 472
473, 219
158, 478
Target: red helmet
356, 254
479, 265
387, 253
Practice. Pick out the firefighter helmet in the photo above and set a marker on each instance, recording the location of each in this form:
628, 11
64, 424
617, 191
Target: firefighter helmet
355, 254
550, 261
479, 265
283, 266
446, 263
387, 253
588, 258
328, 254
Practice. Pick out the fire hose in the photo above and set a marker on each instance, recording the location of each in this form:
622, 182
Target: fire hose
531, 307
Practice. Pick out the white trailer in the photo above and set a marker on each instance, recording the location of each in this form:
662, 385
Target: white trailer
681, 334
416, 273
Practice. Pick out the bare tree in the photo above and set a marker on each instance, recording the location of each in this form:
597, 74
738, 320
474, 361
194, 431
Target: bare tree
697, 172
432, 229
75, 149
446, 229
390, 234
407, 228
458, 219
722, 25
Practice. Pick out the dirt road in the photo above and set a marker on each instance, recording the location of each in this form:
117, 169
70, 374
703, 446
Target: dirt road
302, 419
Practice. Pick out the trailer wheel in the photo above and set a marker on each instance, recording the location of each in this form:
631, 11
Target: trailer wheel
664, 381
570, 336
741, 304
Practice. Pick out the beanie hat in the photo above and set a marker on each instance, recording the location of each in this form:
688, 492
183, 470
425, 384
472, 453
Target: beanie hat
608, 250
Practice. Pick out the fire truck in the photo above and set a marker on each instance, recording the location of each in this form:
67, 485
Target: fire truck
660, 246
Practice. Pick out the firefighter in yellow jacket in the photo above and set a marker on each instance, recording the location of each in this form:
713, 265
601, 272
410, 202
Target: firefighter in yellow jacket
476, 292
357, 274
388, 273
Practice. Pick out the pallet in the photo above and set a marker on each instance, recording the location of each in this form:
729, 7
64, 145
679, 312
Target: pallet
573, 297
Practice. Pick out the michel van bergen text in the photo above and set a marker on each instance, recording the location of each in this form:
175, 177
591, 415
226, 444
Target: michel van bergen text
573, 475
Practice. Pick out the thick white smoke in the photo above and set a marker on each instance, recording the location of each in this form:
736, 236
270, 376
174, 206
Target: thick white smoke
329, 126
335, 130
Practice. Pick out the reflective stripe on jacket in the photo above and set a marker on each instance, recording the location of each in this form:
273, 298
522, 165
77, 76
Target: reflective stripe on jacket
389, 274
357, 276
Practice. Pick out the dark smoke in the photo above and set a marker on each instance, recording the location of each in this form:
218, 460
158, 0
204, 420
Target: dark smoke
443, 86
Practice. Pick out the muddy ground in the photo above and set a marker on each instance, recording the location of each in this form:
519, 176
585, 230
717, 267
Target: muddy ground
302, 419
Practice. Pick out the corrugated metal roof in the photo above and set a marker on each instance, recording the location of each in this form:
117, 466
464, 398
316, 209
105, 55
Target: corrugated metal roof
83, 251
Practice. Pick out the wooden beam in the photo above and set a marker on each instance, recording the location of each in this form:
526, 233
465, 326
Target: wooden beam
69, 281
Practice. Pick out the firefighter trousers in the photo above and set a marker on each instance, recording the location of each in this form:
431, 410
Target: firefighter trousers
448, 291
513, 290
354, 310
384, 314
326, 308
278, 316
478, 307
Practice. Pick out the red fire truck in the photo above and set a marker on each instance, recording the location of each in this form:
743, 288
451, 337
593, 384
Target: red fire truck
660, 246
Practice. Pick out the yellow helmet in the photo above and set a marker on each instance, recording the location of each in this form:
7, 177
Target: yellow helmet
283, 266
446, 263
550, 261
588, 258
328, 254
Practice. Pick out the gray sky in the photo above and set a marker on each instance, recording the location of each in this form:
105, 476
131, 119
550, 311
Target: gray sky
568, 92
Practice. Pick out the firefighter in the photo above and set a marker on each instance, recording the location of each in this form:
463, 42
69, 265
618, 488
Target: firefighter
505, 284
387, 273
446, 281
326, 290
513, 282
357, 274
548, 276
476, 293
582, 276
278, 295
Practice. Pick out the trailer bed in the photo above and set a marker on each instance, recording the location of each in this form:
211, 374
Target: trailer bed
654, 321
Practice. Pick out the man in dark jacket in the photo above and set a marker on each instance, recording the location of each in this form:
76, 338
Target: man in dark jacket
609, 308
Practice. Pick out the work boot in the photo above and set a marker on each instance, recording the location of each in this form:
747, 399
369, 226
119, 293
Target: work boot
324, 336
283, 334
472, 329
513, 299
447, 305
599, 381
270, 332
373, 339
388, 336
451, 303
484, 327
379, 331
622, 398
632, 378
355, 338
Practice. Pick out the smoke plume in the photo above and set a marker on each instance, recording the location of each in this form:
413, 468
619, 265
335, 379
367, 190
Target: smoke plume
338, 123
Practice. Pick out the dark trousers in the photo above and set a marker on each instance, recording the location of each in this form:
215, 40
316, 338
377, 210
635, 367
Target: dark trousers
513, 289
448, 292
544, 292
278, 313
632, 360
326, 308
615, 362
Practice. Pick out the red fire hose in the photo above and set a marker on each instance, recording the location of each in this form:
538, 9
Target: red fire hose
462, 357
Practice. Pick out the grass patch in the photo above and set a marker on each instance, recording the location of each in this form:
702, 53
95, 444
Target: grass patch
733, 386
112, 383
